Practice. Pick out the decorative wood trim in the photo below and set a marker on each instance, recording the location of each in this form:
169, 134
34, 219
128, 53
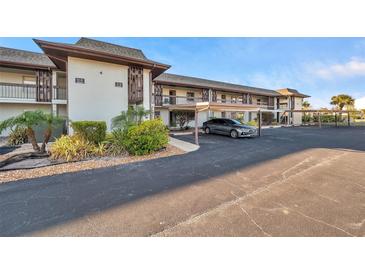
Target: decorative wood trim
205, 95
44, 86
135, 85
158, 95
214, 96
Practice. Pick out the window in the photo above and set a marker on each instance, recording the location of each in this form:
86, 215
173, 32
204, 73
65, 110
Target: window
223, 114
190, 96
258, 101
29, 80
234, 99
157, 114
80, 80
223, 98
218, 121
118, 84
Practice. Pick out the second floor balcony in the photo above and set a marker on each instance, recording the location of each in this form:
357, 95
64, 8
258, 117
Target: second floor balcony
168, 100
10, 92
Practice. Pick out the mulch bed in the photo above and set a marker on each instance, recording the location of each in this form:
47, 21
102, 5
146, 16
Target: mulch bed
14, 175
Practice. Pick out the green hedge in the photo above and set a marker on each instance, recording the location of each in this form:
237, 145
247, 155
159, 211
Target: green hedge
92, 131
146, 138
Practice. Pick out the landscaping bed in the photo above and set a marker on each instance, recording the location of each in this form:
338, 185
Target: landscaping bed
13, 175
132, 138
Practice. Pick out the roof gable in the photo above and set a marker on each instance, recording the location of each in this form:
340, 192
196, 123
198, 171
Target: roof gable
110, 48
291, 92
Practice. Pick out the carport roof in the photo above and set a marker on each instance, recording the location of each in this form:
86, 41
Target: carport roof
176, 80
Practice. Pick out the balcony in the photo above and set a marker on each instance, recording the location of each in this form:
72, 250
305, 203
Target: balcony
168, 100
23, 93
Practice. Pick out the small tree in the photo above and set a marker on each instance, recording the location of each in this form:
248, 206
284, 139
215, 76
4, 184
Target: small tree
51, 122
342, 100
363, 113
183, 117
305, 106
126, 119
30, 119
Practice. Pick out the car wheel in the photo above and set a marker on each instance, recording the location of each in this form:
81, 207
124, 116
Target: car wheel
234, 134
207, 130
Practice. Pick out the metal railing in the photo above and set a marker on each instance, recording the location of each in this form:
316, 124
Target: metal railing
18, 91
24, 91
165, 100
59, 93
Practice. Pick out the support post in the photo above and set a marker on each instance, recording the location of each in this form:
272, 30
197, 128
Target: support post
348, 118
319, 120
259, 119
196, 127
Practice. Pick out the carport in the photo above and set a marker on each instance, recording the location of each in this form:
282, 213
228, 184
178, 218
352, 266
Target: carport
220, 107
320, 112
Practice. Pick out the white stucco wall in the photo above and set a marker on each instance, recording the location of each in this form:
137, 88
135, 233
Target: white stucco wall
15, 77
8, 110
164, 115
297, 116
98, 99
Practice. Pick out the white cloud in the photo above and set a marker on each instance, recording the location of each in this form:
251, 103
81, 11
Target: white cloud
352, 68
360, 103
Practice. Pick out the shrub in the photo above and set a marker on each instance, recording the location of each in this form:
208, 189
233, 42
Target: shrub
73, 148
114, 142
18, 136
145, 138
252, 123
267, 117
92, 131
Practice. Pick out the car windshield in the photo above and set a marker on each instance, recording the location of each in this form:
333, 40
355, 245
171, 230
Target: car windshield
235, 122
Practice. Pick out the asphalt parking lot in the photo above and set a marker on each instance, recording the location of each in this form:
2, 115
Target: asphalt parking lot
289, 182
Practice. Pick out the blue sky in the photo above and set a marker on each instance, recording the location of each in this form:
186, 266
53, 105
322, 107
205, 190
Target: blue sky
319, 67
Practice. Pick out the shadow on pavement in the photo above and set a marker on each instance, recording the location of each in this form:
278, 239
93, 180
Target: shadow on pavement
35, 204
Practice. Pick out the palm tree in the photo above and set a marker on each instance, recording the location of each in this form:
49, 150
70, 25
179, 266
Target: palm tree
342, 100
28, 120
306, 105
129, 118
51, 122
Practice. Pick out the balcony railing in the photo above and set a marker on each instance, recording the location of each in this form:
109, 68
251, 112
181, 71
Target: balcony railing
24, 91
59, 93
166, 100
18, 91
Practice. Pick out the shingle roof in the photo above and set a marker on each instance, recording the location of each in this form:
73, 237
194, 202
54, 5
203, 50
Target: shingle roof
25, 57
293, 92
168, 78
105, 47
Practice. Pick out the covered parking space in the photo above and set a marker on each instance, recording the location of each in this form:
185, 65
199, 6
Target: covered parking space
221, 107
320, 113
